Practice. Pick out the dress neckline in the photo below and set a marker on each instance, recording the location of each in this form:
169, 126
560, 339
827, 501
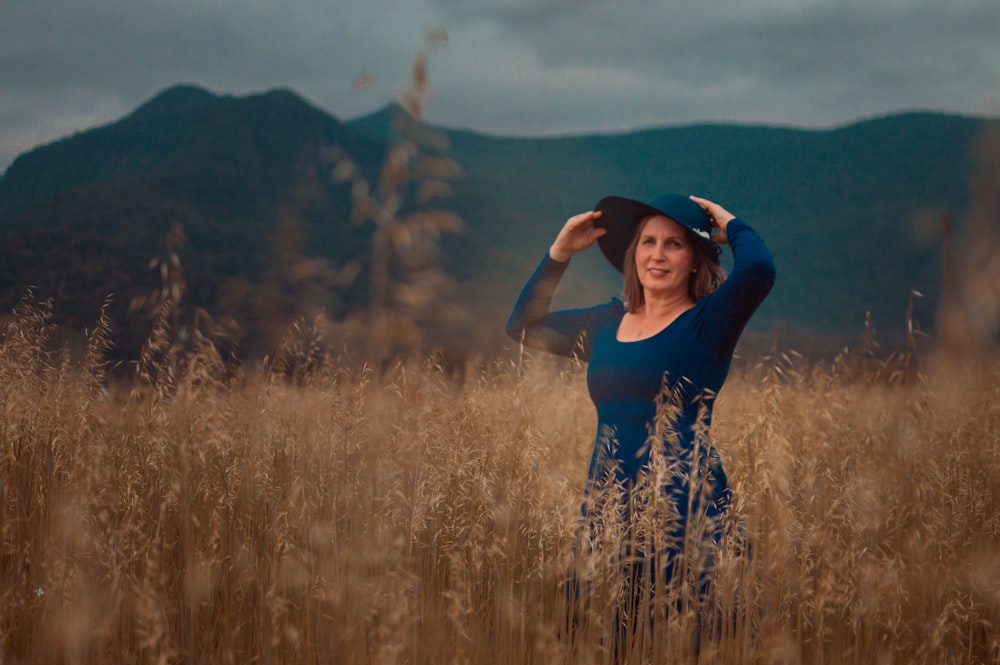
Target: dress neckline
655, 334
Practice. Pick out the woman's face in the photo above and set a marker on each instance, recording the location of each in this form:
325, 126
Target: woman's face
664, 257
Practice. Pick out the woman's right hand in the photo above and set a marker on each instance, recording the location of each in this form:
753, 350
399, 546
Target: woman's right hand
578, 234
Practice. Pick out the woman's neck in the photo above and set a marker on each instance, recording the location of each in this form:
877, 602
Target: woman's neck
664, 305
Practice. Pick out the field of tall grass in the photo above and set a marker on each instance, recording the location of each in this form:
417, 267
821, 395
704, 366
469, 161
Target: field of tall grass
308, 509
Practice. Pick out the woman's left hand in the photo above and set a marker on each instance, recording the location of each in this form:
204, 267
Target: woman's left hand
719, 216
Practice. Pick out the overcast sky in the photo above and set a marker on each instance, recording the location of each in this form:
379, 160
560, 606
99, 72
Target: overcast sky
534, 67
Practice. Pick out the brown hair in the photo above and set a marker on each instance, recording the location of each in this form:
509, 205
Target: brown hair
707, 277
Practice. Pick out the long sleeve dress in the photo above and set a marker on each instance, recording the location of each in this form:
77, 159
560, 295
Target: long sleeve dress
687, 361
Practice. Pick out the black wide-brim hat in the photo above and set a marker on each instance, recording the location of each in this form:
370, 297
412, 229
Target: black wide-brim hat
620, 217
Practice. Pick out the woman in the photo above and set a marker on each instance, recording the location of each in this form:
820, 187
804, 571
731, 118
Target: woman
656, 360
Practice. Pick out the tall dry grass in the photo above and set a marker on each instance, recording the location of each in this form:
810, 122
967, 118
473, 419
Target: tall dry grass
321, 512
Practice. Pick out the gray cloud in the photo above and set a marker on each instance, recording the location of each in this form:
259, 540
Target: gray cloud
773, 61
511, 66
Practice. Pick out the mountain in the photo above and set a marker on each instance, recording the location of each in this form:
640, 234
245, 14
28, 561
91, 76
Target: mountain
244, 178
852, 214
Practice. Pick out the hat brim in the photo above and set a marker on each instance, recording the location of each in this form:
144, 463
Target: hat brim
620, 216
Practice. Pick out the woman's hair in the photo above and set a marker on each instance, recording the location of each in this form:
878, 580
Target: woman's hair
707, 277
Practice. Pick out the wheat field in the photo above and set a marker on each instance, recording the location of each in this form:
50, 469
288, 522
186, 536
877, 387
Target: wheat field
309, 509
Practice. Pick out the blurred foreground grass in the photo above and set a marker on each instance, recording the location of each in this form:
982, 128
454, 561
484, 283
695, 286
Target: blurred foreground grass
318, 511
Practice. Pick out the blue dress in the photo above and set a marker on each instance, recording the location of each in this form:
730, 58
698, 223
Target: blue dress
684, 365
